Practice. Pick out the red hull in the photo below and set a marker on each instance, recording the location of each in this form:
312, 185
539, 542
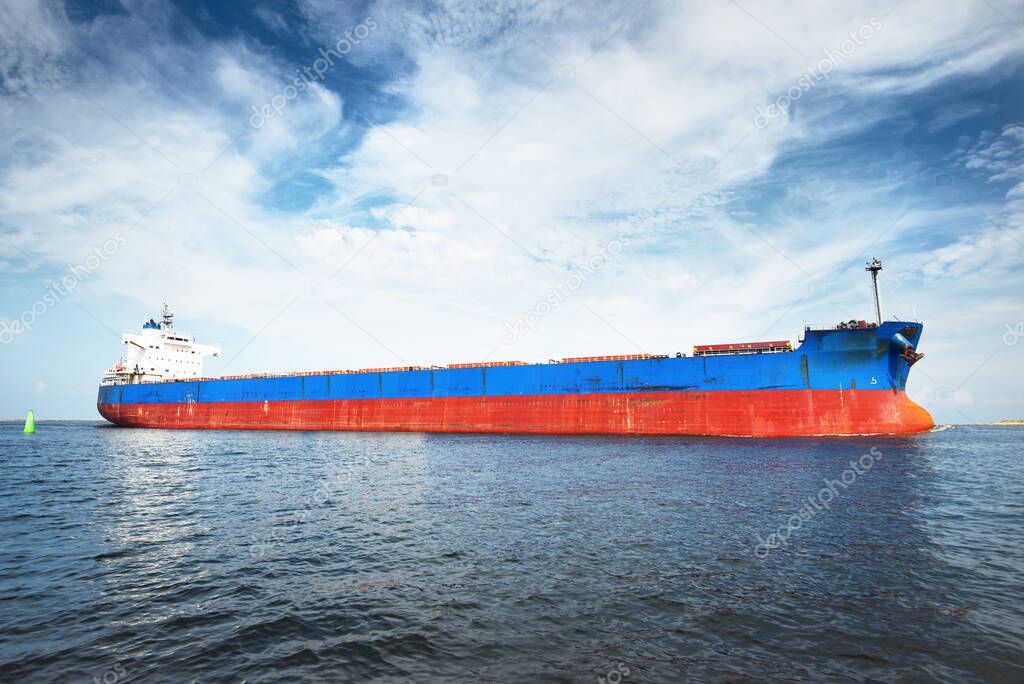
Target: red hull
759, 413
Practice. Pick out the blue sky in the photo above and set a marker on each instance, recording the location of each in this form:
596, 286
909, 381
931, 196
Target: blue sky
454, 164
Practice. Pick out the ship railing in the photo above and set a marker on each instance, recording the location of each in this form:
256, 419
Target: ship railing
734, 348
613, 357
842, 325
482, 364
742, 352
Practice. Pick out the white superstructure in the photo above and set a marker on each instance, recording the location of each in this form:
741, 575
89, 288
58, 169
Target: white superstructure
159, 353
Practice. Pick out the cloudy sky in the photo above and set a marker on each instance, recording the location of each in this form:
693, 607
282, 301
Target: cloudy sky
315, 184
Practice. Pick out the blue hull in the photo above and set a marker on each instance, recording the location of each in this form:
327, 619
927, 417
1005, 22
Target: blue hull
865, 359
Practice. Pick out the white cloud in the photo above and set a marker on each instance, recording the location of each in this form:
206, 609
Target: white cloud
30, 46
957, 112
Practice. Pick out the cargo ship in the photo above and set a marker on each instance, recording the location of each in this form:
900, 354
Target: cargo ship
844, 379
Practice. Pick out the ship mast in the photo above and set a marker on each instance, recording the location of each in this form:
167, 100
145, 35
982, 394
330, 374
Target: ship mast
168, 317
874, 266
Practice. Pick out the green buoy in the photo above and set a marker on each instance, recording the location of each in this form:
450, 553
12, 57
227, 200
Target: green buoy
30, 422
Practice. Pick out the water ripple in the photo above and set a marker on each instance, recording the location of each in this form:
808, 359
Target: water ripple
220, 557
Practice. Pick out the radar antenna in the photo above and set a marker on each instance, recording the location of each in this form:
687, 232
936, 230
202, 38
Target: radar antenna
874, 266
168, 317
